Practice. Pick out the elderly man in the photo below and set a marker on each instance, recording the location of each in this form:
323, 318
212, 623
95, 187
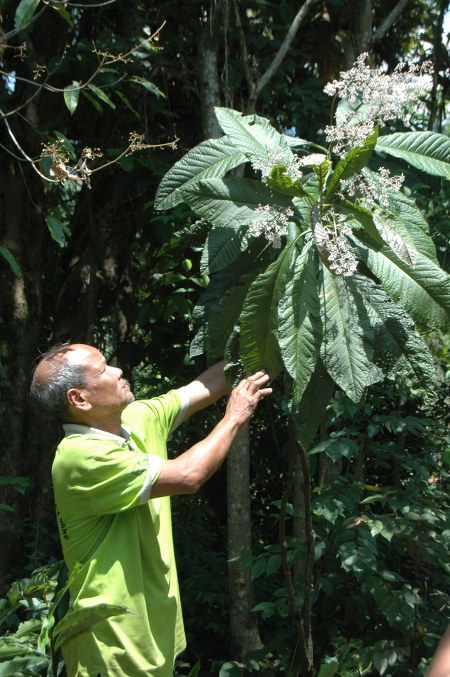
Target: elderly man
112, 482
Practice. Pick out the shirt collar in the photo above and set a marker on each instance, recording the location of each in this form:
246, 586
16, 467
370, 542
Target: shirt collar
78, 429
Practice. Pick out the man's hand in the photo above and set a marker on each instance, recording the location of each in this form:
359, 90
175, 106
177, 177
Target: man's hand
246, 396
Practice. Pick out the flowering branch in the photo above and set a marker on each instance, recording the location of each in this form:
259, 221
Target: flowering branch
81, 172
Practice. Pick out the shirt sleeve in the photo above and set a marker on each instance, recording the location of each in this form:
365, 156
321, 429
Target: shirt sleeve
113, 480
166, 412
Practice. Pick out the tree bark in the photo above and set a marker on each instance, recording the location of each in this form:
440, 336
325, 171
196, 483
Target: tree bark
20, 313
208, 73
361, 29
244, 630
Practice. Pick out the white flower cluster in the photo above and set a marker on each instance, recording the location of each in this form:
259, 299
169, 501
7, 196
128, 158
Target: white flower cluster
331, 241
375, 189
266, 164
271, 223
375, 98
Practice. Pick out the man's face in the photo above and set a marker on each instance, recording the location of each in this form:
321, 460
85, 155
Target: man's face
106, 387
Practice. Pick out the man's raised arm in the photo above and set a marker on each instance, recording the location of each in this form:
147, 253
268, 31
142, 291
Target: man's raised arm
205, 389
186, 473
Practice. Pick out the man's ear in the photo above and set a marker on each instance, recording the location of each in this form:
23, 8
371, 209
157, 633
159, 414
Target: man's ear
76, 399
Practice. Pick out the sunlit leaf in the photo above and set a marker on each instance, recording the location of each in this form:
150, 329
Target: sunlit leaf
71, 96
231, 202
210, 159
423, 289
352, 163
427, 151
254, 136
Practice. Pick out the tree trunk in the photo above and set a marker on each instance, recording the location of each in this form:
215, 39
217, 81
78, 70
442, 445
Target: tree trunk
21, 233
208, 73
244, 630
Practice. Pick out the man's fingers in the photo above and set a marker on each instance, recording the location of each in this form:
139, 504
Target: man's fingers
257, 380
255, 384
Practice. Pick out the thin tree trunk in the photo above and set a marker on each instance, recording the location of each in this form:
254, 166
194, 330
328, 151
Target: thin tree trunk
299, 522
20, 312
244, 630
301, 663
361, 28
208, 73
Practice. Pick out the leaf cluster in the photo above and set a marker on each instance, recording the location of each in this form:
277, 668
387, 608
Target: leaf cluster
289, 310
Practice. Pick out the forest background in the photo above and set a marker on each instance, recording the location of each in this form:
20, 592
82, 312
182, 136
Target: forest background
97, 102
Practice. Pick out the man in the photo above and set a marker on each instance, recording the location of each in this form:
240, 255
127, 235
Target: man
440, 665
112, 482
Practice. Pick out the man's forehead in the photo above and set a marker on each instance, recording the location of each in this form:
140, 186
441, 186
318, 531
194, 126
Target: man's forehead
79, 353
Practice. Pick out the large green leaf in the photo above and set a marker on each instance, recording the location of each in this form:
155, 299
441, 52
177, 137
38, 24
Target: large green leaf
423, 289
427, 151
352, 163
407, 219
243, 271
223, 317
210, 159
308, 412
254, 135
76, 621
222, 247
399, 350
347, 344
299, 325
230, 202
259, 317
402, 216
405, 251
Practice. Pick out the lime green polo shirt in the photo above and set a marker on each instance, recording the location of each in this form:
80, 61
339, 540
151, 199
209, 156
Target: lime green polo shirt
102, 485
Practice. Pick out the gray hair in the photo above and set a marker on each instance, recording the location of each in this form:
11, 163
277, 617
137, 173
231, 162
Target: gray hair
49, 389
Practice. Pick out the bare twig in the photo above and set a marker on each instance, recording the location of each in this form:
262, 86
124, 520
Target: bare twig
389, 21
280, 55
243, 44
23, 153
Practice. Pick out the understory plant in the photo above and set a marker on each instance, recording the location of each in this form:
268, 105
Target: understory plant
321, 268
35, 621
